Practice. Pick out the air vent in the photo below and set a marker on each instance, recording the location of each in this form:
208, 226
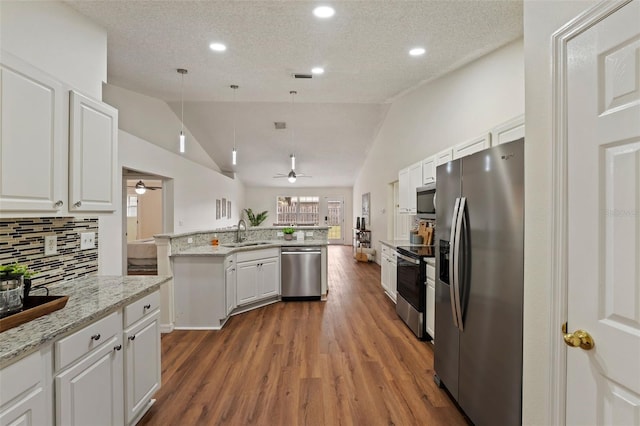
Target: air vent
280, 125
302, 76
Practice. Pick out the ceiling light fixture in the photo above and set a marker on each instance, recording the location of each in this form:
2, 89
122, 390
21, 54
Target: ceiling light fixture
140, 188
234, 153
182, 72
291, 177
217, 47
317, 70
417, 51
324, 11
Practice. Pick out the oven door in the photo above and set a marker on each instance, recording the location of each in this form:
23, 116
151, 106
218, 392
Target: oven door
410, 283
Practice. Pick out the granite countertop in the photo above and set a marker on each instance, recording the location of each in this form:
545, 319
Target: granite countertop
222, 250
235, 227
90, 298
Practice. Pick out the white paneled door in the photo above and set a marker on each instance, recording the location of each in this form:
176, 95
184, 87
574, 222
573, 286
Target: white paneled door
603, 159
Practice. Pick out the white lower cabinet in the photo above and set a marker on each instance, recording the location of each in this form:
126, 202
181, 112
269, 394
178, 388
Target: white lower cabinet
27, 401
431, 298
388, 272
230, 283
142, 365
257, 275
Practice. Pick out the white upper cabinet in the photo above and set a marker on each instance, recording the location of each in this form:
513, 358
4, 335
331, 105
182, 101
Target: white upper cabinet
58, 150
429, 170
32, 144
508, 131
472, 146
93, 155
444, 156
409, 179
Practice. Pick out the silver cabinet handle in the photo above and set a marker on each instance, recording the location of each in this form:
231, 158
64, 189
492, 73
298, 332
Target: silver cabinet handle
58, 204
147, 306
78, 204
96, 337
117, 348
132, 338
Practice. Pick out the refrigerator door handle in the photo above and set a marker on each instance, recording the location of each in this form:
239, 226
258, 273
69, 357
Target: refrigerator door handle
452, 256
456, 264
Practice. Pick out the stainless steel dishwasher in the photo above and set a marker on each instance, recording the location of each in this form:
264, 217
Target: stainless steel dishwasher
301, 273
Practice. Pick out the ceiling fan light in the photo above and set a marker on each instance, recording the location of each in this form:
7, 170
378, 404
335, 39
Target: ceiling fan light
140, 188
292, 177
233, 156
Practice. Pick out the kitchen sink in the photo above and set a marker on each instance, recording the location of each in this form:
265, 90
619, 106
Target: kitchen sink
246, 244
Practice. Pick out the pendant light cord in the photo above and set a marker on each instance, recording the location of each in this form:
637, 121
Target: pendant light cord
293, 143
182, 104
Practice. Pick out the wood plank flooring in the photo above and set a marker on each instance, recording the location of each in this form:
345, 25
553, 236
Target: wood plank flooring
347, 361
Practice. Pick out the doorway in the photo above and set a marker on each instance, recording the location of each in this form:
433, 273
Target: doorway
143, 217
334, 219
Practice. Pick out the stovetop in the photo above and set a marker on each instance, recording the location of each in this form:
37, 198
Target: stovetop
416, 251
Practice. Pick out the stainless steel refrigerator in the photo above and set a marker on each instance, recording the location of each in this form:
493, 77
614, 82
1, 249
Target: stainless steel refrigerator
479, 282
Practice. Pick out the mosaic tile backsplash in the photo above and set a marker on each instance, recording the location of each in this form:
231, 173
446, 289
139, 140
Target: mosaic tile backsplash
22, 240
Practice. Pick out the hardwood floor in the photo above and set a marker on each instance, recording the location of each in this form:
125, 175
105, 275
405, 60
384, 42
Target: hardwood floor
347, 361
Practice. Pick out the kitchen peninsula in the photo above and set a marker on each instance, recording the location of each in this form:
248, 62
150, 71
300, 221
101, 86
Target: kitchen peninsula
211, 283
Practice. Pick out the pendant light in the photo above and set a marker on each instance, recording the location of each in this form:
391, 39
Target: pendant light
292, 174
182, 72
234, 153
140, 187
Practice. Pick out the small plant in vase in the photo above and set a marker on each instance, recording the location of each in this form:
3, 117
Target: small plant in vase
288, 233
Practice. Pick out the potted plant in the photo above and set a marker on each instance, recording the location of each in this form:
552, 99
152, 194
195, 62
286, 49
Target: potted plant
288, 233
256, 220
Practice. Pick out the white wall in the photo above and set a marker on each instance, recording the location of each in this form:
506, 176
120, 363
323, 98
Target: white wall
194, 189
264, 198
457, 107
151, 119
541, 20
57, 39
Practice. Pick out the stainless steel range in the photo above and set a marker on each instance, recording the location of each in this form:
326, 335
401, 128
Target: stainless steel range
411, 274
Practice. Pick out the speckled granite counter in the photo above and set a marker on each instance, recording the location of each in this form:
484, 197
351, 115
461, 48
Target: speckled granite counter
222, 250
90, 298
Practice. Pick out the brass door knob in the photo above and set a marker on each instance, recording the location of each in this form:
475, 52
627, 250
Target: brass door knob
579, 338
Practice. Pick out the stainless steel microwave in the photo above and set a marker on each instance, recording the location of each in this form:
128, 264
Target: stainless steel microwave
426, 201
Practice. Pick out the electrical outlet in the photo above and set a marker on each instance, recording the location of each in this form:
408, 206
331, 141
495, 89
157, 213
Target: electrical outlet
189, 240
50, 245
87, 240
279, 234
309, 233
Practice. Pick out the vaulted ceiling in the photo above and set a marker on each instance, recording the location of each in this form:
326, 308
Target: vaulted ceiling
334, 118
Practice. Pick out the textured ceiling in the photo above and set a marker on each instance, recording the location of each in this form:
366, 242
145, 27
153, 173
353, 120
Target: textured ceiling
363, 49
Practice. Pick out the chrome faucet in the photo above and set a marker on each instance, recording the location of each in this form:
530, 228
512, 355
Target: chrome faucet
240, 239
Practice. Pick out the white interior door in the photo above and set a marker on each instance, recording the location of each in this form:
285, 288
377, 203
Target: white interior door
603, 116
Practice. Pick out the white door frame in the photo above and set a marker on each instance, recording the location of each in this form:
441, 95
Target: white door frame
559, 220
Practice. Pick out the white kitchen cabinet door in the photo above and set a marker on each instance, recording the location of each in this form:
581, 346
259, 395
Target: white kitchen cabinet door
91, 391
393, 278
403, 190
431, 309
32, 139
29, 411
230, 284
429, 170
472, 146
508, 132
415, 182
269, 278
384, 271
444, 156
142, 365
246, 282
93, 155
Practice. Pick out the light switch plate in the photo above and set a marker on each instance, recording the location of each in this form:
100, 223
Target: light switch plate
309, 233
50, 245
189, 240
87, 240
279, 234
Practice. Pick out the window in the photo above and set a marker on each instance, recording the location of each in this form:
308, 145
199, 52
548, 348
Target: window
298, 210
132, 206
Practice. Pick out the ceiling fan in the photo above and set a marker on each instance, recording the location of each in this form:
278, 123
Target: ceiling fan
141, 188
292, 175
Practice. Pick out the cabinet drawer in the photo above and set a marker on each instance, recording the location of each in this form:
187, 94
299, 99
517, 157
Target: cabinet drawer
245, 256
22, 376
431, 283
386, 249
138, 309
81, 342
229, 260
431, 271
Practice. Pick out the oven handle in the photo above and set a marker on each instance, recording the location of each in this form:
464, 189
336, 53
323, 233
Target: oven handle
461, 218
452, 258
408, 259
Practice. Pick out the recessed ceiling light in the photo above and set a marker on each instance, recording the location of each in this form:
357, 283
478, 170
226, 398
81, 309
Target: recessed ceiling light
317, 70
417, 51
217, 47
324, 11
